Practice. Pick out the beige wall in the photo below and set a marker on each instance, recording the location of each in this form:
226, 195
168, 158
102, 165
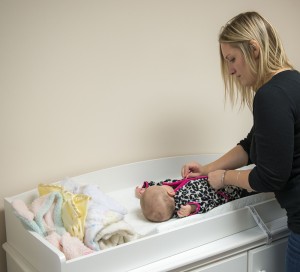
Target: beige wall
90, 84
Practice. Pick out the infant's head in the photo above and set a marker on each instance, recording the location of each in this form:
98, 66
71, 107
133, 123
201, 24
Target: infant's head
156, 203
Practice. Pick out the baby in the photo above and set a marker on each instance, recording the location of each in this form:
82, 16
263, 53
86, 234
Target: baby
179, 198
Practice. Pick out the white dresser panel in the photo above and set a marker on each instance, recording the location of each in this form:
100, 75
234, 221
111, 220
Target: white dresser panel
268, 258
234, 264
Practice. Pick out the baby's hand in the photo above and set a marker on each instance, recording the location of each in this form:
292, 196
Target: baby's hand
139, 191
185, 210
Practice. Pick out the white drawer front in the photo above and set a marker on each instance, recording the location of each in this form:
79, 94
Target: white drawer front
269, 258
234, 264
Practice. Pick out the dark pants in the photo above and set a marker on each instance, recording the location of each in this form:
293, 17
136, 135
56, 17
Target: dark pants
293, 253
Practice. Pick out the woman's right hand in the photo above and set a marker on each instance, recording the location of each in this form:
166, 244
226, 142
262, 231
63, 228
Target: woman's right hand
191, 169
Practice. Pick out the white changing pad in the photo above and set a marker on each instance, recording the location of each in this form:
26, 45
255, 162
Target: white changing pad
144, 227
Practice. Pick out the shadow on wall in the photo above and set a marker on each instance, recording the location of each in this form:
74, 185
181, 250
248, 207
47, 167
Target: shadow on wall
2, 240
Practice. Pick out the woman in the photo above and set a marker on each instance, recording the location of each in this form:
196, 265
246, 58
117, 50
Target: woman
255, 69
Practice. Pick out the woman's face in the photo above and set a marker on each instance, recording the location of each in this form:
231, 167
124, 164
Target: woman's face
236, 64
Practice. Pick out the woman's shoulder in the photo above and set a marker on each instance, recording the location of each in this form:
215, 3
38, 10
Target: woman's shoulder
282, 89
283, 82
287, 78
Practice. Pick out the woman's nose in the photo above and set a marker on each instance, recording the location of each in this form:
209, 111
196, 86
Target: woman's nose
231, 70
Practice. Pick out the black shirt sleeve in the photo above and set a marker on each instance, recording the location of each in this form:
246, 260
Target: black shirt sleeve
246, 144
273, 140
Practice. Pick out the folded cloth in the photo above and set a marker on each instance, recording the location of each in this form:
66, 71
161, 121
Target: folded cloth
71, 246
43, 215
55, 239
105, 226
25, 216
71, 186
102, 199
115, 234
73, 210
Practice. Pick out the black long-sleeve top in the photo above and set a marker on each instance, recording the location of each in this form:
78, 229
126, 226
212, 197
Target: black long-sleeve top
273, 143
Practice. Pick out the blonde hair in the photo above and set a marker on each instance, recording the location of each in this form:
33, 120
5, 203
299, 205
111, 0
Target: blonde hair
156, 204
239, 31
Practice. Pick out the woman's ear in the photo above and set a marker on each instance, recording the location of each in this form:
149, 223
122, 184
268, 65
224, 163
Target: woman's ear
254, 46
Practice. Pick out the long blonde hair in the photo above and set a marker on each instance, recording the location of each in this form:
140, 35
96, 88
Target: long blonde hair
239, 31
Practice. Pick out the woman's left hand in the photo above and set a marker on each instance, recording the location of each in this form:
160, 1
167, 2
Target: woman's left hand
215, 179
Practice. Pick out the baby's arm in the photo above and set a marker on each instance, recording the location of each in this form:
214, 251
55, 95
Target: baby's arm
186, 210
189, 209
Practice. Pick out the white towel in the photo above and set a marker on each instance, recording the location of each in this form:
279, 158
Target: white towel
104, 225
115, 234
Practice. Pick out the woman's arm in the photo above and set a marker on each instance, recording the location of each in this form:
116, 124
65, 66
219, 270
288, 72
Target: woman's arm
233, 159
220, 178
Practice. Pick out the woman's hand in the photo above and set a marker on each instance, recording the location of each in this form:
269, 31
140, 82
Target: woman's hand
191, 169
185, 210
216, 179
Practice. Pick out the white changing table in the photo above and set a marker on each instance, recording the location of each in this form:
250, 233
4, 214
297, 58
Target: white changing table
232, 241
